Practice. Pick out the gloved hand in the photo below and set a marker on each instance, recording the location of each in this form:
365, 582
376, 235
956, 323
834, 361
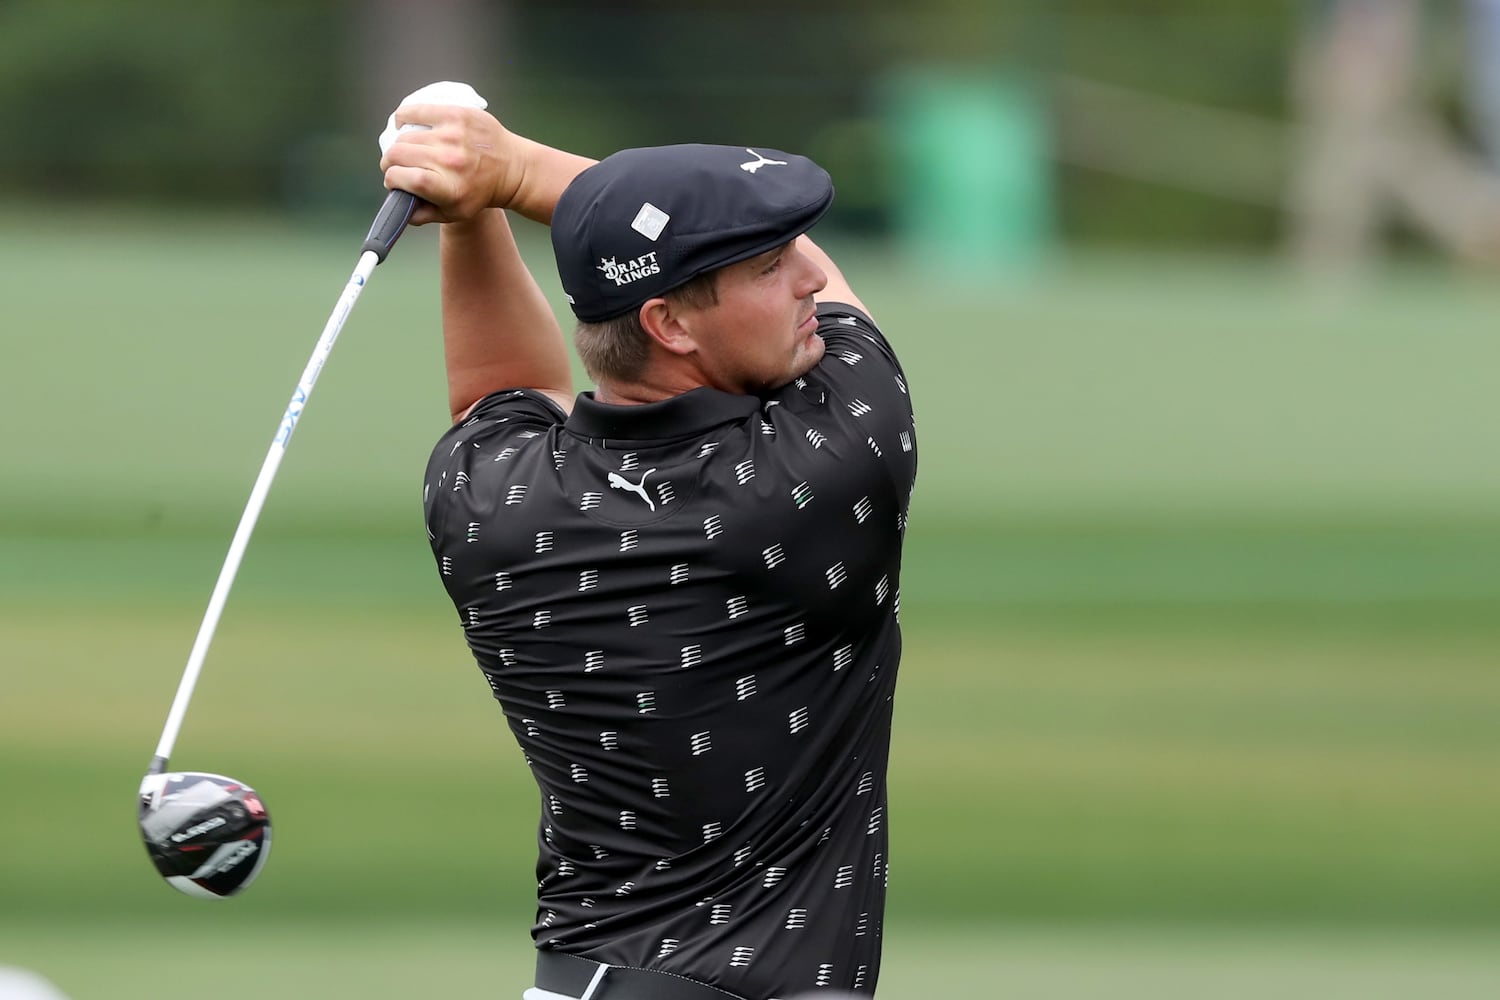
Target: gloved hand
444, 92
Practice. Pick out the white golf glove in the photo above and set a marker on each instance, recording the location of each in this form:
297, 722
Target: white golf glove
446, 92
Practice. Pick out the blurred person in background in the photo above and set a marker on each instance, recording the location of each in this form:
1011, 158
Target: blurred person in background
1483, 24
1370, 144
683, 586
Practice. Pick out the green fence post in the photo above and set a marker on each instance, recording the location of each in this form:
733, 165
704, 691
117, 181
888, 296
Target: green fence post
970, 159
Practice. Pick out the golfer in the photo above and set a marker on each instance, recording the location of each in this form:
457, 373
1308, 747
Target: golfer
683, 587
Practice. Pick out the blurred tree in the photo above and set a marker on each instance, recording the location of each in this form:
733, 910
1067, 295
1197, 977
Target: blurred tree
277, 101
400, 46
391, 49
177, 101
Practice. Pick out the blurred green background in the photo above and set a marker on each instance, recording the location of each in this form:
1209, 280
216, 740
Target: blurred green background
1202, 592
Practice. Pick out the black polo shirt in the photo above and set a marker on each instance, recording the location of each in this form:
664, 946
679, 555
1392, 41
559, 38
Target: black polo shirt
688, 611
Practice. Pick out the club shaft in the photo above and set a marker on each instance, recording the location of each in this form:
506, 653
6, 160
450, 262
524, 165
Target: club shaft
367, 262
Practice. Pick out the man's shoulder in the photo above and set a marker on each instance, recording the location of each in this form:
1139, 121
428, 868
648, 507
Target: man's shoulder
857, 356
846, 328
500, 427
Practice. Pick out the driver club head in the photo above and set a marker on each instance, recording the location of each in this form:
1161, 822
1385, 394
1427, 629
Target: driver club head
207, 835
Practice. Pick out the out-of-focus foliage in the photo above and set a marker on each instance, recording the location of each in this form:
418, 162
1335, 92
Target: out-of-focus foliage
169, 99
271, 103
239, 101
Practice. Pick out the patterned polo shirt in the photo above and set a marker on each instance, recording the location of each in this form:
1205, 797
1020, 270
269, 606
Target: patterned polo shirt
688, 611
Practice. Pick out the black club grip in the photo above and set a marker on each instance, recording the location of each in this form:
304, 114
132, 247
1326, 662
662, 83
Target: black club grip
390, 222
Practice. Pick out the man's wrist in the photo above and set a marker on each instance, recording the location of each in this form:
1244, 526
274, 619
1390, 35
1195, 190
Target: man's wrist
515, 189
536, 176
509, 150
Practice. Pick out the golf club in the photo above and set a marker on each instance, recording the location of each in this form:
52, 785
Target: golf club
207, 834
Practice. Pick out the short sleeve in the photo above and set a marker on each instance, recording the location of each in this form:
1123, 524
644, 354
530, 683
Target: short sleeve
503, 426
525, 407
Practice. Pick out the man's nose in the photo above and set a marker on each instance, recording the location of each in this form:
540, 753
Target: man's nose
814, 278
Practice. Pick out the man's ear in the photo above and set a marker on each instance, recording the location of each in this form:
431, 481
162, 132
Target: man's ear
669, 325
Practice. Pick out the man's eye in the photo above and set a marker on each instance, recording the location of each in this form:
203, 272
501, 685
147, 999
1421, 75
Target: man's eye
773, 265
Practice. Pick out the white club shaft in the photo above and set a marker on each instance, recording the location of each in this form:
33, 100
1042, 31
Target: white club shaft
367, 262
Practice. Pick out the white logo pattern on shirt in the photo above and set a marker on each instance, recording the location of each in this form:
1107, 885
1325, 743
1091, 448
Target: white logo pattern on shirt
661, 493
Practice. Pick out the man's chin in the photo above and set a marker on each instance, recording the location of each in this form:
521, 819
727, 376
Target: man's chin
804, 361
811, 353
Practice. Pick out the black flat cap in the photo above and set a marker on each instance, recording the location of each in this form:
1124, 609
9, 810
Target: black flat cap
644, 221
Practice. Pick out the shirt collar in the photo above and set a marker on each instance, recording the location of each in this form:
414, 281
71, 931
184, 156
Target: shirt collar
691, 413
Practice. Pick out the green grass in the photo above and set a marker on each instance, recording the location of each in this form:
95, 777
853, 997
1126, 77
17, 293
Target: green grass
1085, 769
154, 361
296, 958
